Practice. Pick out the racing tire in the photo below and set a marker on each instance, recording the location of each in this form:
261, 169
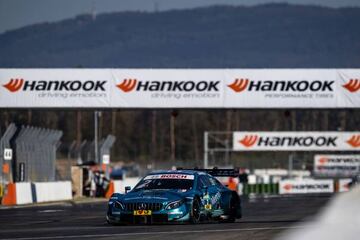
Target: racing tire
195, 211
233, 206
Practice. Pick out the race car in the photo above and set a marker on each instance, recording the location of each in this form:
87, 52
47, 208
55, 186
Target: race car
177, 196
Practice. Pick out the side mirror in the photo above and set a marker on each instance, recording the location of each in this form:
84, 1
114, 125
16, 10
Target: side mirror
127, 188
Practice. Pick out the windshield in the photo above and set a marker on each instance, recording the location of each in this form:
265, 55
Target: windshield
166, 181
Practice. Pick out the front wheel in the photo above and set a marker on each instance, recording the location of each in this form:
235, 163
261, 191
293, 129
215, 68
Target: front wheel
195, 211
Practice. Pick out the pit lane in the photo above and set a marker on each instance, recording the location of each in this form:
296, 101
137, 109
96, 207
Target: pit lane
263, 218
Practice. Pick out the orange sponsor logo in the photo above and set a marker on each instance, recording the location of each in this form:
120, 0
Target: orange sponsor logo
323, 161
288, 187
127, 85
353, 85
249, 141
239, 85
354, 141
14, 84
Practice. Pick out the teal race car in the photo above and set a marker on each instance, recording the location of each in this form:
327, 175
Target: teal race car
176, 196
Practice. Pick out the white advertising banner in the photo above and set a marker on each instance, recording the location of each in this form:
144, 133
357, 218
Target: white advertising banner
296, 141
337, 165
180, 88
296, 186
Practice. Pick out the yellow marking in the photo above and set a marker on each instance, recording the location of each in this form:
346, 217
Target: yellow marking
142, 212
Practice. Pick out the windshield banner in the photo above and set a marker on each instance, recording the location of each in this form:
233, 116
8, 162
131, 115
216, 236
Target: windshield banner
170, 176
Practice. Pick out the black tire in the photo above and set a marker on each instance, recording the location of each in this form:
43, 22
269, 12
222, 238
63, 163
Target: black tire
195, 211
233, 206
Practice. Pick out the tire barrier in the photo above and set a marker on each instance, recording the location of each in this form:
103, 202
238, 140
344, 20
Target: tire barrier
27, 193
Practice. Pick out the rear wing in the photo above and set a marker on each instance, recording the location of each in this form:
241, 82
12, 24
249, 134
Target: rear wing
216, 172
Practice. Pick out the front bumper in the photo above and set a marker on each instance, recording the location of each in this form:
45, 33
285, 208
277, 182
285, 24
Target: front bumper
164, 216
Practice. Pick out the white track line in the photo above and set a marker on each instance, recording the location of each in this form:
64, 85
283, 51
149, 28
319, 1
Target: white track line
154, 233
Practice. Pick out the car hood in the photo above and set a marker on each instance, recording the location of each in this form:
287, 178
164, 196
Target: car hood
154, 196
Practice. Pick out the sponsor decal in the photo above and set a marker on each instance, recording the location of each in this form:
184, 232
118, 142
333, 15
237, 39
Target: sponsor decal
249, 140
208, 206
55, 85
307, 141
142, 212
170, 176
127, 85
339, 160
285, 88
180, 89
14, 84
354, 141
183, 88
289, 187
337, 165
293, 186
353, 85
323, 161
239, 85
58, 88
147, 197
215, 198
336, 168
301, 141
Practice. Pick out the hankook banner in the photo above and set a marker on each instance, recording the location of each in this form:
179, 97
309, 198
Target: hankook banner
180, 88
296, 141
337, 165
295, 186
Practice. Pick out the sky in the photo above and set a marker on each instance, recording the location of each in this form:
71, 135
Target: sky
18, 13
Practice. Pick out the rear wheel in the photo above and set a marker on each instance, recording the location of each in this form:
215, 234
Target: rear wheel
232, 210
195, 211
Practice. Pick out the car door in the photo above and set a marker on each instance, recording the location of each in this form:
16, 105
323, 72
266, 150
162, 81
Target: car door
217, 192
211, 198
207, 192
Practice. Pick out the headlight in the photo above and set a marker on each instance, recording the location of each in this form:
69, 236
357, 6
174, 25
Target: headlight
174, 204
118, 205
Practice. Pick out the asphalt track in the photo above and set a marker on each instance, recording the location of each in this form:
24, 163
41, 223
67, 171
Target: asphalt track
264, 218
